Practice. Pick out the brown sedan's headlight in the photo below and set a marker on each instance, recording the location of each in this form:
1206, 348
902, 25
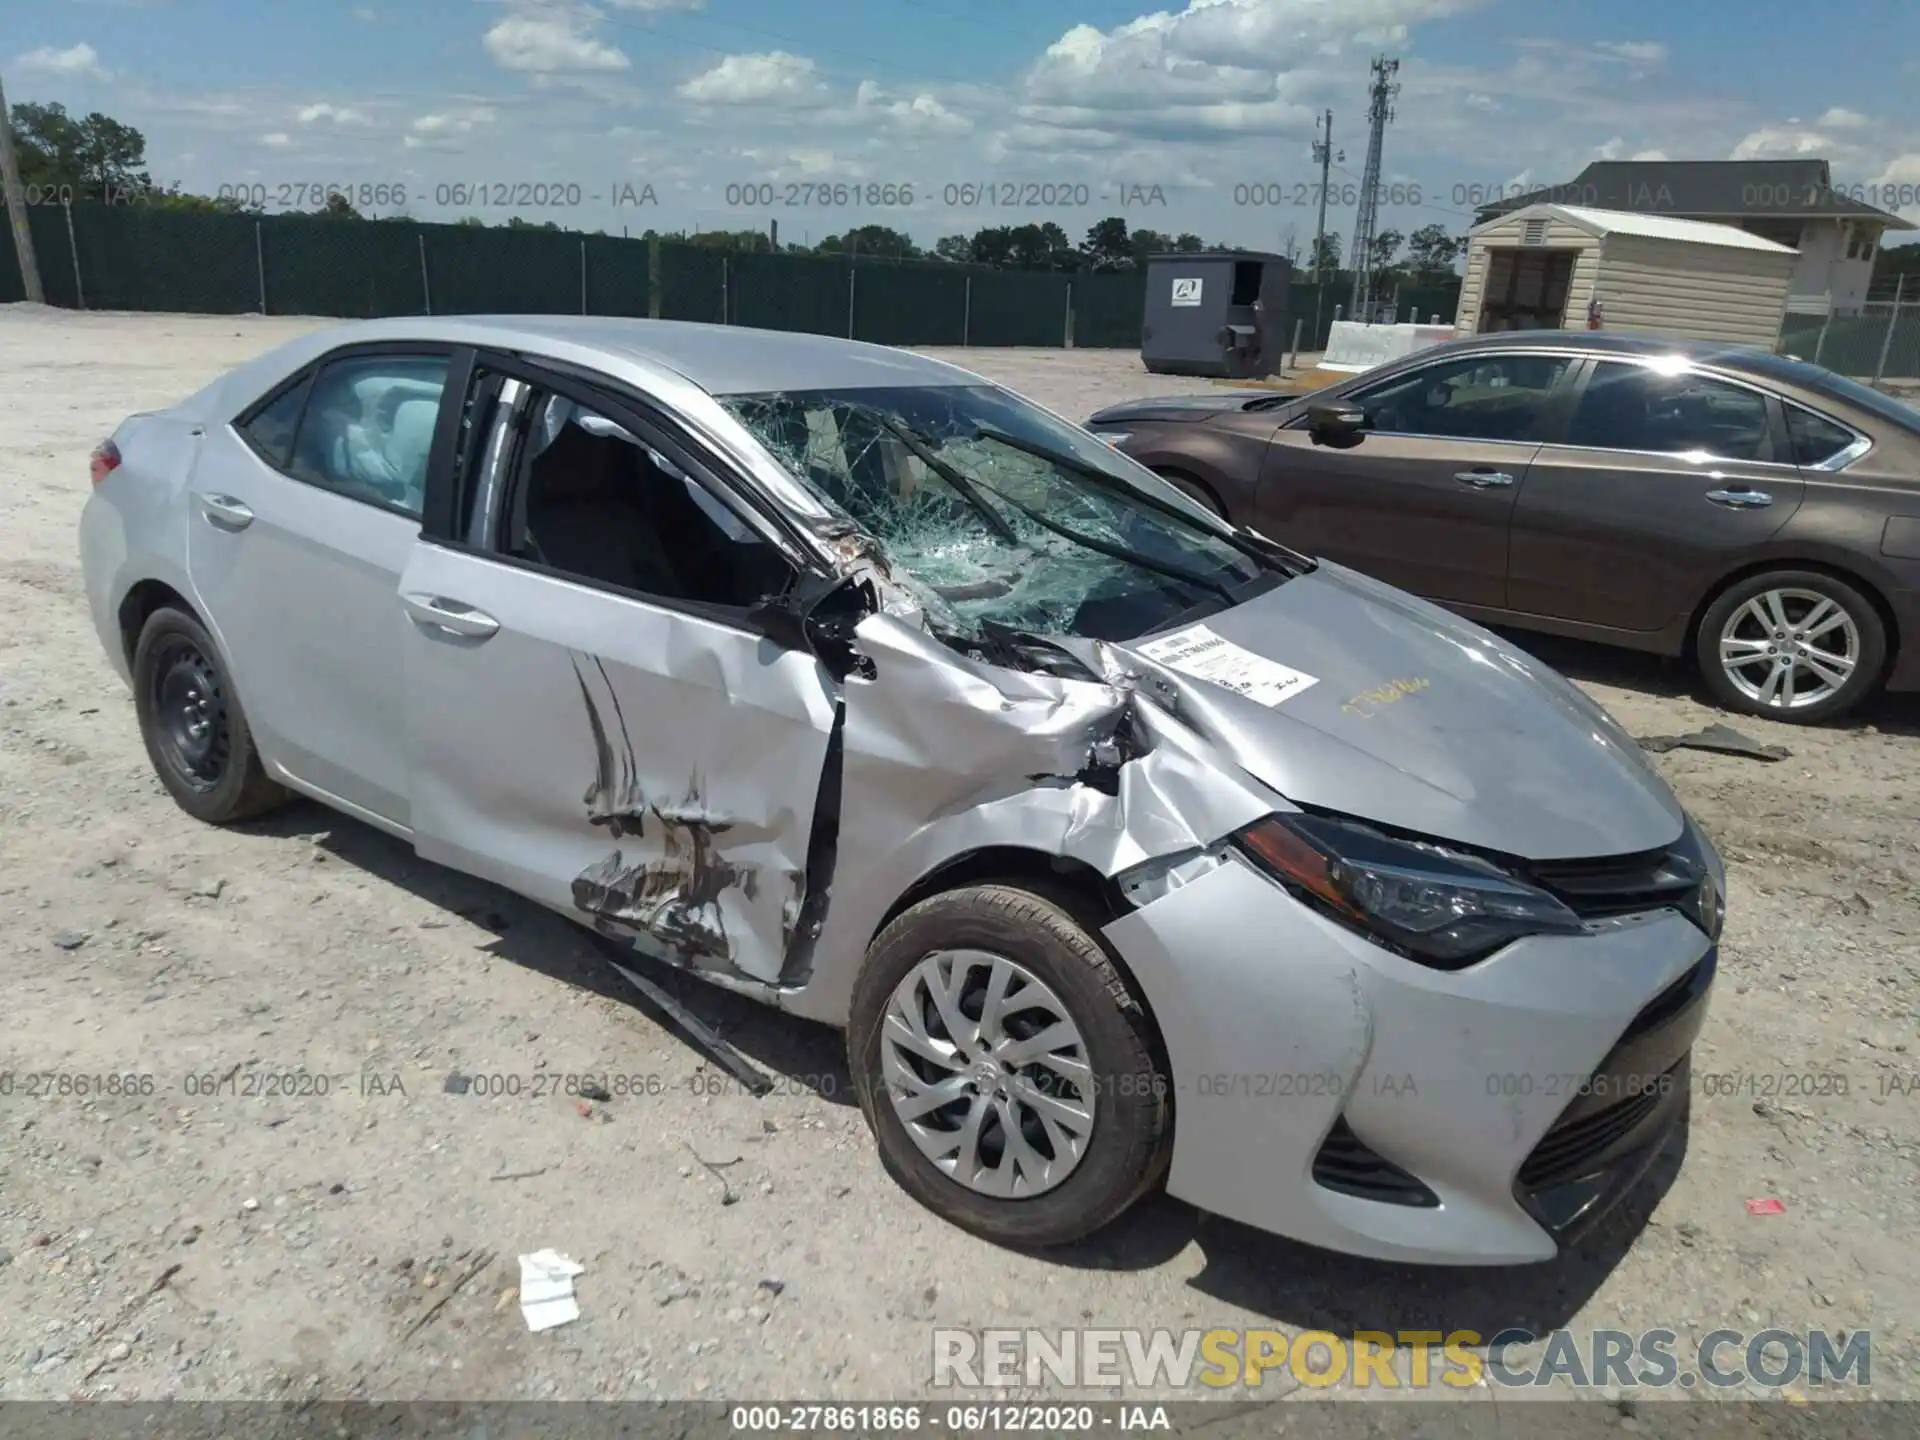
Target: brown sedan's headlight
1431, 904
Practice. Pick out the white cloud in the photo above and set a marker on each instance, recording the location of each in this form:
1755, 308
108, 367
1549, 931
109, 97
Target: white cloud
551, 40
1640, 52
75, 60
923, 114
1649, 155
657, 5
453, 122
278, 140
756, 79
1780, 142
1218, 67
337, 114
1840, 118
1611, 150
443, 130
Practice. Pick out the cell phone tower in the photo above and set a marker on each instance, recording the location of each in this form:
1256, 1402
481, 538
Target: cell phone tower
1379, 112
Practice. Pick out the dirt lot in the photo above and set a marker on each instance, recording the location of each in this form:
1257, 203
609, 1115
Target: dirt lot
192, 1239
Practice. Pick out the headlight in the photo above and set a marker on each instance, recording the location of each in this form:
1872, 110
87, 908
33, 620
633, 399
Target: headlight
1434, 905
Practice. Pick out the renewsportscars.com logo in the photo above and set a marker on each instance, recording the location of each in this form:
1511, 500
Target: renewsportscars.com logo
1159, 1360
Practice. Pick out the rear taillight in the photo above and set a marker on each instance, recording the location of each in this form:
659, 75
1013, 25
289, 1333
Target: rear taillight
105, 460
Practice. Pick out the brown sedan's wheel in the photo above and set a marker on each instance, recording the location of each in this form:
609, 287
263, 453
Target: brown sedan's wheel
1005, 1068
195, 731
1193, 490
1793, 645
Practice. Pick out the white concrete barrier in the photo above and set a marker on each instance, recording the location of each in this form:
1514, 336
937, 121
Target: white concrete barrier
1354, 347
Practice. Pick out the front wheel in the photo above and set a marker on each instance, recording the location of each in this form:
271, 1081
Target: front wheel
1006, 1069
1793, 645
1192, 489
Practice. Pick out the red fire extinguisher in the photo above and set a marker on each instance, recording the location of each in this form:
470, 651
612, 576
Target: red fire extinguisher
1593, 313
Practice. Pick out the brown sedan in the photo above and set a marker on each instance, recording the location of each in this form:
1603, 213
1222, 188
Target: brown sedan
1757, 512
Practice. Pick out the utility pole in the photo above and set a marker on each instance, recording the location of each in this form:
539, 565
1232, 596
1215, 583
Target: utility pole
1379, 112
1323, 152
17, 206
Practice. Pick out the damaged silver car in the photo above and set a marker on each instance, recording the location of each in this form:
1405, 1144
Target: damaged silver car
1129, 848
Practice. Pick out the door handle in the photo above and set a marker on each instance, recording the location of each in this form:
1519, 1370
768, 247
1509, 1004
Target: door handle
225, 512
1741, 499
1483, 479
450, 615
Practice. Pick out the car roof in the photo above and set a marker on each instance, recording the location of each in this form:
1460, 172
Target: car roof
1617, 342
719, 359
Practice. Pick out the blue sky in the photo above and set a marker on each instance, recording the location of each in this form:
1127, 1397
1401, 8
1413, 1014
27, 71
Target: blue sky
1198, 116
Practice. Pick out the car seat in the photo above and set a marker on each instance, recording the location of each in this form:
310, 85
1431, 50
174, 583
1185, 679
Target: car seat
1612, 415
579, 515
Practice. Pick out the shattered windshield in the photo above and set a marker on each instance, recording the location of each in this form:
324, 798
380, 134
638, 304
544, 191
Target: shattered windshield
999, 514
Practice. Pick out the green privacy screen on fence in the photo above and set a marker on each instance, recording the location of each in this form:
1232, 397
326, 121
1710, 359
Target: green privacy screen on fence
141, 257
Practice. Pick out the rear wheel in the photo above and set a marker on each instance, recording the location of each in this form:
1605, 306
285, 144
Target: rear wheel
1794, 645
195, 731
1007, 1071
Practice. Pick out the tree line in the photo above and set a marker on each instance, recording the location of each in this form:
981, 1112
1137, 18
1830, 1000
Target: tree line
95, 157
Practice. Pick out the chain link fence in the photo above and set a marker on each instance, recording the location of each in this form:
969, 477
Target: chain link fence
140, 257
1880, 341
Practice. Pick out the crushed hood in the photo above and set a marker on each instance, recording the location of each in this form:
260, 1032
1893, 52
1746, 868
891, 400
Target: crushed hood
1420, 720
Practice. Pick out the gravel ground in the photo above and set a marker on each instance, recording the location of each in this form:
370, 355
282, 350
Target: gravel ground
196, 1238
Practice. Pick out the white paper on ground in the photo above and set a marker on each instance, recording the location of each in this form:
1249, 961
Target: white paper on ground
549, 1313
1198, 652
546, 1289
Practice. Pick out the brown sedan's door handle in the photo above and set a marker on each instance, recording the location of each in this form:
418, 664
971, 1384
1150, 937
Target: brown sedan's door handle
1483, 479
1741, 499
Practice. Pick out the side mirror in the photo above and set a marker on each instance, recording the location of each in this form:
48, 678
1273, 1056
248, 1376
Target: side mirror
819, 615
1336, 423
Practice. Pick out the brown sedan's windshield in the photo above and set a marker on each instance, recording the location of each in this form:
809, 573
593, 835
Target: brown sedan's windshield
1000, 514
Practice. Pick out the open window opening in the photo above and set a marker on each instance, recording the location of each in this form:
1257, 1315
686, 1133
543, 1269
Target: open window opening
596, 502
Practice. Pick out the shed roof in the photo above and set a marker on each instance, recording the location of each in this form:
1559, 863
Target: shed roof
1600, 223
1734, 189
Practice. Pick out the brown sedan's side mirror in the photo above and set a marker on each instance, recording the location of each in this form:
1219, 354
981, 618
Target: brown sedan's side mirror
1338, 424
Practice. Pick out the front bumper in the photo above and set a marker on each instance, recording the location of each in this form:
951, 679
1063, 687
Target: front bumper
1330, 1091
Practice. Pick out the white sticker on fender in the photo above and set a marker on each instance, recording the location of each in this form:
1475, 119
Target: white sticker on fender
1198, 652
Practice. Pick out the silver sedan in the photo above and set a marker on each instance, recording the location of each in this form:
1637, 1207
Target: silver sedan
1129, 848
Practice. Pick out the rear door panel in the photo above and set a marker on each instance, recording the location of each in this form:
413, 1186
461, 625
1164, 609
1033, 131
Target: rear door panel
1632, 541
1636, 510
302, 599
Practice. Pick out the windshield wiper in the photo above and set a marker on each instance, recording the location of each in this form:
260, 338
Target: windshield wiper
971, 489
946, 472
1262, 550
1123, 553
1114, 484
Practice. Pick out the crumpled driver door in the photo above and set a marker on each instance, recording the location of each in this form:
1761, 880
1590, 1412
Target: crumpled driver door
649, 767
651, 772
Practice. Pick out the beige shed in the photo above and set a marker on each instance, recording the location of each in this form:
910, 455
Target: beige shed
1539, 268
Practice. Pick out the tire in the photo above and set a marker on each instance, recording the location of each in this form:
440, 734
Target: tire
1125, 1151
179, 682
1192, 489
1745, 616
